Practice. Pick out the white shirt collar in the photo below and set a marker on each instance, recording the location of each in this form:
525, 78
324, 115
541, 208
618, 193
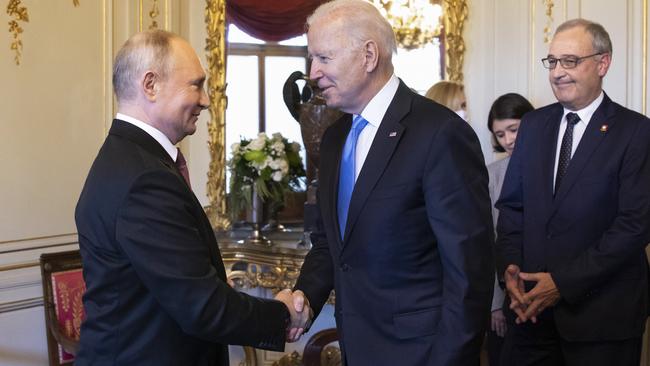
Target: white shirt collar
378, 105
153, 132
588, 111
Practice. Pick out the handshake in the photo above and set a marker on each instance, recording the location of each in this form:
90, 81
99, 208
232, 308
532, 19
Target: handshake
301, 313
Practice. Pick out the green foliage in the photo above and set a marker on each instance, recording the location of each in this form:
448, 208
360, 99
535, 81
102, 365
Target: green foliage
271, 165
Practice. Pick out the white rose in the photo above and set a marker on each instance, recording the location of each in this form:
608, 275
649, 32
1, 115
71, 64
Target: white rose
277, 136
235, 147
277, 176
278, 146
296, 146
275, 164
258, 143
284, 166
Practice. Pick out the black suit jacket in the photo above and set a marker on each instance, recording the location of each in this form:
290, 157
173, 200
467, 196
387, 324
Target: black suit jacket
156, 286
414, 272
591, 235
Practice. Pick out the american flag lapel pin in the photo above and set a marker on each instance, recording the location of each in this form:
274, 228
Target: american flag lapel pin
604, 128
392, 134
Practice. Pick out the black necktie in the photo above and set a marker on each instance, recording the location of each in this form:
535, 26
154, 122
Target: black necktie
565, 148
181, 165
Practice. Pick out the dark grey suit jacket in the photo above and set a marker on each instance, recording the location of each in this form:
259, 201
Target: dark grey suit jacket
156, 285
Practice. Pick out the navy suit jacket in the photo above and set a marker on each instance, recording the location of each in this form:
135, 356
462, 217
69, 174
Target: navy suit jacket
414, 273
592, 233
156, 286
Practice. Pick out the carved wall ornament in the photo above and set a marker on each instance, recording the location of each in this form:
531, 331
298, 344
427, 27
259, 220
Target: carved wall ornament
215, 22
549, 20
455, 14
18, 13
153, 14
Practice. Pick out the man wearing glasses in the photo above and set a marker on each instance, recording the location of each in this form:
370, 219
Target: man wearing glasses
575, 215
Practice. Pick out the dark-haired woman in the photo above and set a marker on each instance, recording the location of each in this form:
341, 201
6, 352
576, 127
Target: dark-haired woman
503, 121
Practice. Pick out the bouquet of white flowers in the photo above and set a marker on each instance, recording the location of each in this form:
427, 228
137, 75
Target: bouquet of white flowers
270, 166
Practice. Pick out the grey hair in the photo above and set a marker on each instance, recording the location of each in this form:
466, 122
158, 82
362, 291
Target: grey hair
149, 50
363, 21
601, 42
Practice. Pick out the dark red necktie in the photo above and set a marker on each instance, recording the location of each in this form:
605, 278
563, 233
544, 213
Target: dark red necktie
181, 165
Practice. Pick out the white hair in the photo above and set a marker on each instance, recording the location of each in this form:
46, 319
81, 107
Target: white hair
362, 20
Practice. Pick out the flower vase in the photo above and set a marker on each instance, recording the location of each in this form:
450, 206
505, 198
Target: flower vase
255, 219
272, 209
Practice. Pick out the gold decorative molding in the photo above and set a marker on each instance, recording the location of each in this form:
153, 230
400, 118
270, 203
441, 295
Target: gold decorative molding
274, 278
455, 14
153, 14
549, 20
215, 21
19, 14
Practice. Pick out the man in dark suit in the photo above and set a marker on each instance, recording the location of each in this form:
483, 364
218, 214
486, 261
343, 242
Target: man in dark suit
408, 247
574, 216
156, 286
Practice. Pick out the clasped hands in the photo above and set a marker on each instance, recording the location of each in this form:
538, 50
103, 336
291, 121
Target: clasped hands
528, 305
301, 313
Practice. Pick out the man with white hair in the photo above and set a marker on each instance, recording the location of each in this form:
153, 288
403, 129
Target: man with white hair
405, 232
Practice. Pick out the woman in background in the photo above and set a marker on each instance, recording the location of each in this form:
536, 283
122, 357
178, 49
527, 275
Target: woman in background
451, 95
503, 121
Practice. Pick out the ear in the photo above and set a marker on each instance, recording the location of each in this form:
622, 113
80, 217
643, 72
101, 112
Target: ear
603, 64
371, 55
150, 85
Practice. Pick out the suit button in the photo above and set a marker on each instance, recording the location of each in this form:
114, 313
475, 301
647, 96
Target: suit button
344, 267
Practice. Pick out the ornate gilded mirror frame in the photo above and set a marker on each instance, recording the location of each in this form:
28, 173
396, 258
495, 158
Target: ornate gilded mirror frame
455, 14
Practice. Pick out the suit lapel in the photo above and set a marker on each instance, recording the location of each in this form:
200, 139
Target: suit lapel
140, 137
386, 140
588, 144
548, 149
143, 139
329, 177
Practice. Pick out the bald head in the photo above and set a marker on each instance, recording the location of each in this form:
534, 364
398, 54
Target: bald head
145, 51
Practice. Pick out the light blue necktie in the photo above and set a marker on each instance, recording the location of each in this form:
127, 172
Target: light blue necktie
346, 174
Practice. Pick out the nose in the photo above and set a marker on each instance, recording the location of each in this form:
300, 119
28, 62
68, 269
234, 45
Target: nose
315, 71
558, 71
204, 101
510, 138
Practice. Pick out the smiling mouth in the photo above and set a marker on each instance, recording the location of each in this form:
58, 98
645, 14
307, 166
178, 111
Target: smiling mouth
562, 83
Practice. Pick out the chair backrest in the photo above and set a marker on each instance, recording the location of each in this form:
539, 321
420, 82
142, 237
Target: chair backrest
318, 353
63, 288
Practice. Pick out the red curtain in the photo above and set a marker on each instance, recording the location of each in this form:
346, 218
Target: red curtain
271, 20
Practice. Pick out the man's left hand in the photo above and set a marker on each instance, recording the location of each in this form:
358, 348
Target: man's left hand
545, 294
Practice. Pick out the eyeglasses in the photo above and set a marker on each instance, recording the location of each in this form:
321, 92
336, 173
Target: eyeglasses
568, 62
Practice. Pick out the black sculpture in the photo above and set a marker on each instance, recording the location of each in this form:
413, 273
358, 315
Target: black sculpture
309, 109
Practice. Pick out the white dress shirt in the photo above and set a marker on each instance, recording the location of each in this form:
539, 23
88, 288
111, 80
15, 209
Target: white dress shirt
153, 132
578, 130
373, 113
